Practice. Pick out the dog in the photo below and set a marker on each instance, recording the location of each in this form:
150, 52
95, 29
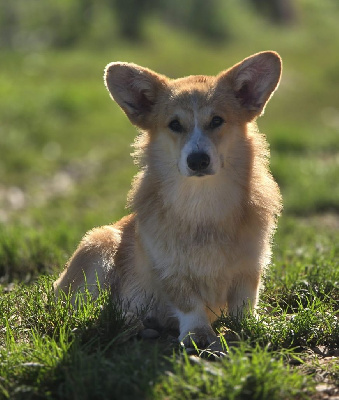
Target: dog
204, 203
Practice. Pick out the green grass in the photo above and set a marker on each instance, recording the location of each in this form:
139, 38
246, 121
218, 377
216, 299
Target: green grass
247, 373
65, 168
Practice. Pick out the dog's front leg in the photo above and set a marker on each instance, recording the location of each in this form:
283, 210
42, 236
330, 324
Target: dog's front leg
243, 296
195, 327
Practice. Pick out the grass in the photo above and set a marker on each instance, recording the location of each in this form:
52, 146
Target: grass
248, 373
65, 167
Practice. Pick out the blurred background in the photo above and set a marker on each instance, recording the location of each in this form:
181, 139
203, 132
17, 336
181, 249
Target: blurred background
65, 162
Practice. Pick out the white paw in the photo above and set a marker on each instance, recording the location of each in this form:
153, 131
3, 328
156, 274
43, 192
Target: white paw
199, 337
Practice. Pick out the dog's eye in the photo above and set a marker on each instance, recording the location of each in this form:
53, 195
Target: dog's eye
216, 122
175, 126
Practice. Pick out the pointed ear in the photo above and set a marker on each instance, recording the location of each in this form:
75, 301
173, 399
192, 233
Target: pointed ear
254, 81
135, 89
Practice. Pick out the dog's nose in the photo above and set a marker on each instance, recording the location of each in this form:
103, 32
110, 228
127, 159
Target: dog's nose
198, 161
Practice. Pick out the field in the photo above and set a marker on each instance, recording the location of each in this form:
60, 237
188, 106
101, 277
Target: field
65, 167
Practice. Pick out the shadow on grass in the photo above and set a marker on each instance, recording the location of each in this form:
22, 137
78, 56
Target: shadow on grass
102, 356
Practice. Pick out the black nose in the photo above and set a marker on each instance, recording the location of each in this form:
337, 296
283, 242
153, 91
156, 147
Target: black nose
198, 161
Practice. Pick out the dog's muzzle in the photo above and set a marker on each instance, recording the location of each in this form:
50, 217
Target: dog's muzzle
198, 163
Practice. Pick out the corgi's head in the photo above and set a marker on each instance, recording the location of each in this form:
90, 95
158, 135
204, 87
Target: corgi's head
194, 118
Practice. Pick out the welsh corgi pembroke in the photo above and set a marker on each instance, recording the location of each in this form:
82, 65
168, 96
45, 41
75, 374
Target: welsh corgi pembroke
204, 204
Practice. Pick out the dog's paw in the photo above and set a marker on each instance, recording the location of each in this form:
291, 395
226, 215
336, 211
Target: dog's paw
199, 337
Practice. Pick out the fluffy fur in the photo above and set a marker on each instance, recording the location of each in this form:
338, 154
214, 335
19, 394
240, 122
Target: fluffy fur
204, 204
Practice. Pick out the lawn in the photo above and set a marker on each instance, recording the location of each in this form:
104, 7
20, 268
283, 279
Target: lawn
65, 167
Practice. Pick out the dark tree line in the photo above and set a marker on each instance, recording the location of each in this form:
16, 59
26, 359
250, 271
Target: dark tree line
62, 23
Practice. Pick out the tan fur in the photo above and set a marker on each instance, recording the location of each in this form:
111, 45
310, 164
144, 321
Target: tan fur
194, 245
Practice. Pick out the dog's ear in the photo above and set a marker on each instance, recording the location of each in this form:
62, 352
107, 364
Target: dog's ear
135, 89
254, 81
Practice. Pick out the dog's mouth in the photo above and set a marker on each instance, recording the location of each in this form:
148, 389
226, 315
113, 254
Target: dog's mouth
201, 174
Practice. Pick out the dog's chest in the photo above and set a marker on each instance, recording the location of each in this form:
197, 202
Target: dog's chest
200, 254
